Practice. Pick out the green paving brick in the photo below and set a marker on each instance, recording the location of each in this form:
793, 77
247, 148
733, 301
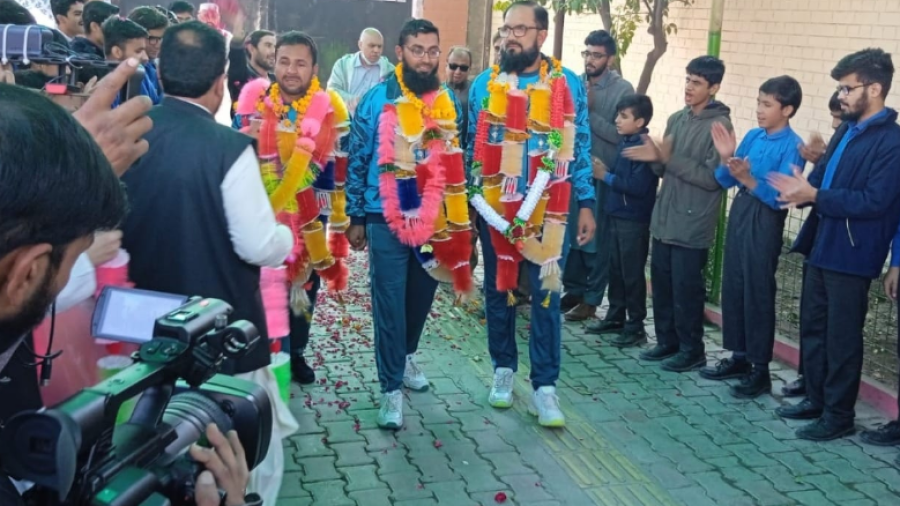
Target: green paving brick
765, 494
362, 478
810, 498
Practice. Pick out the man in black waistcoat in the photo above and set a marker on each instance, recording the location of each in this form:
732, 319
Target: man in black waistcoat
200, 220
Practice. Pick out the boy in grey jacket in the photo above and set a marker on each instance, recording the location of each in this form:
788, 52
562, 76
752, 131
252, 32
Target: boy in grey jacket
683, 224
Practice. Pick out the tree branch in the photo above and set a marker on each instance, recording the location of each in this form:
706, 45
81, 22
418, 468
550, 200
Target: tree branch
657, 29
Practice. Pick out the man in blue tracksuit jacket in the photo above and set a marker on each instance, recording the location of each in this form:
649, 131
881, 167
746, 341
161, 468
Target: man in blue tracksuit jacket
855, 194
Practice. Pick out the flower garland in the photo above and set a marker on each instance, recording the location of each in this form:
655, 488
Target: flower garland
530, 226
304, 172
423, 182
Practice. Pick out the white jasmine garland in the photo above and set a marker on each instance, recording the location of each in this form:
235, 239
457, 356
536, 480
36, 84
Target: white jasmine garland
534, 195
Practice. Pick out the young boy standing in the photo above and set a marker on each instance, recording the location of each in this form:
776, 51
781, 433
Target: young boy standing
683, 224
629, 207
753, 240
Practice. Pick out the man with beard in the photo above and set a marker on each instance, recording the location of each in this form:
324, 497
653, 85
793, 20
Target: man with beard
255, 61
587, 268
855, 194
524, 31
402, 289
355, 74
43, 231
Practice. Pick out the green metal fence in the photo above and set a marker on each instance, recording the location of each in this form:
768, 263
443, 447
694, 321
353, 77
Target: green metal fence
880, 333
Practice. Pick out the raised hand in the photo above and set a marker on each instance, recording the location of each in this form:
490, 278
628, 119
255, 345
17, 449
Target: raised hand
724, 140
795, 189
814, 148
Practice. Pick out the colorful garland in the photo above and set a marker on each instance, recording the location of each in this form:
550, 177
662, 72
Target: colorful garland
530, 226
423, 182
304, 172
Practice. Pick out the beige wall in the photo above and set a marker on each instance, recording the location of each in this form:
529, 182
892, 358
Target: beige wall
761, 39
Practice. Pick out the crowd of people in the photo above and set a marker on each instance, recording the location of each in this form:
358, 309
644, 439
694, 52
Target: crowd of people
551, 171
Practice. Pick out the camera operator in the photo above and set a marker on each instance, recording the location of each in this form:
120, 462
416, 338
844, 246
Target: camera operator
56, 189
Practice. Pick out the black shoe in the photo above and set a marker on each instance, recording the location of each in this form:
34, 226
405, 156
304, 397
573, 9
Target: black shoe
301, 372
629, 339
886, 435
825, 430
805, 410
684, 361
796, 388
568, 302
604, 327
752, 385
658, 353
727, 368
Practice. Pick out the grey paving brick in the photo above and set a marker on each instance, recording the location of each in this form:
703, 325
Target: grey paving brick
331, 493
313, 445
435, 469
694, 496
810, 498
342, 432
507, 464
451, 493
379, 497
319, 469
490, 441
406, 486
765, 494
351, 454
715, 486
362, 478
292, 486
527, 488
378, 439
393, 461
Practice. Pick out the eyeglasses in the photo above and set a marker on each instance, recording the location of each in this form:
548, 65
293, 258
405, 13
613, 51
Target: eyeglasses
518, 31
593, 56
454, 66
420, 52
845, 90
154, 40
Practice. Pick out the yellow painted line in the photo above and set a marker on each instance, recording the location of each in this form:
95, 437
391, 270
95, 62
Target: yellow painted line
601, 465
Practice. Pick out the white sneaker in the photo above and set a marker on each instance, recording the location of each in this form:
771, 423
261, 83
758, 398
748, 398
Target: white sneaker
501, 395
413, 377
545, 405
390, 416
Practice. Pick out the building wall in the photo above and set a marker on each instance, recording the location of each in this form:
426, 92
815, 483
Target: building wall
452, 19
760, 39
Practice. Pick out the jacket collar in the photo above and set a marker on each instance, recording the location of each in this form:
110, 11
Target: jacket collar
185, 107
635, 138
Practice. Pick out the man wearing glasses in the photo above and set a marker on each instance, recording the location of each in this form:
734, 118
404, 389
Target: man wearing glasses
854, 191
587, 268
155, 23
524, 31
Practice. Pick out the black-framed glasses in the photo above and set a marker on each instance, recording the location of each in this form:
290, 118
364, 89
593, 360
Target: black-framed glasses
846, 90
454, 66
420, 52
592, 55
154, 40
518, 31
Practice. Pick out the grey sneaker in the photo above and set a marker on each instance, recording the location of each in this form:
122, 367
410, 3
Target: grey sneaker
501, 395
413, 377
390, 416
545, 405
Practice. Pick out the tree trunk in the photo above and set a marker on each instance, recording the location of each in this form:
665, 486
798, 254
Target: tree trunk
605, 11
559, 27
660, 44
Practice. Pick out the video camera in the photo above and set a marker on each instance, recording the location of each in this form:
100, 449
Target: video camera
76, 455
26, 44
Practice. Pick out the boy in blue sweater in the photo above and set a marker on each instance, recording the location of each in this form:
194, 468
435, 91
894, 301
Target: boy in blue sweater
753, 239
855, 196
629, 206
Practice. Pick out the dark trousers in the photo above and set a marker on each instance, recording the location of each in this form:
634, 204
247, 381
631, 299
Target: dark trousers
586, 275
402, 294
545, 341
679, 296
300, 324
629, 245
833, 311
753, 244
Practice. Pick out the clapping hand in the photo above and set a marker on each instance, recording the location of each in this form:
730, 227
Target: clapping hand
724, 140
795, 189
649, 151
813, 150
600, 169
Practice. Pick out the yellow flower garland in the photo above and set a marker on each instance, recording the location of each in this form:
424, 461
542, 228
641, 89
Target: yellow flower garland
300, 105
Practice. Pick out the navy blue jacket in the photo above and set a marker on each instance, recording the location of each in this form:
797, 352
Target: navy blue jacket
632, 185
852, 223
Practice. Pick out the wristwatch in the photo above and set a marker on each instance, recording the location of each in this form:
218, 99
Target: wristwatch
249, 500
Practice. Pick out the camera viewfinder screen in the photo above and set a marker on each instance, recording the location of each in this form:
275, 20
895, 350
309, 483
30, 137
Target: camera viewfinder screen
130, 315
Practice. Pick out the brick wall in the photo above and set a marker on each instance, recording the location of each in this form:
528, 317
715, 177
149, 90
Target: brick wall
452, 19
760, 39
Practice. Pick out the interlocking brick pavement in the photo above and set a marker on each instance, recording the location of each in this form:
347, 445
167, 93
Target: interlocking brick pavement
636, 435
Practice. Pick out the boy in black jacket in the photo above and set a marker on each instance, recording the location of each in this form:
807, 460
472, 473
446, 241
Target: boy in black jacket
629, 207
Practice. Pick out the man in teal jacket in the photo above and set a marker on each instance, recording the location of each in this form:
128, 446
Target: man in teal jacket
402, 290
523, 32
